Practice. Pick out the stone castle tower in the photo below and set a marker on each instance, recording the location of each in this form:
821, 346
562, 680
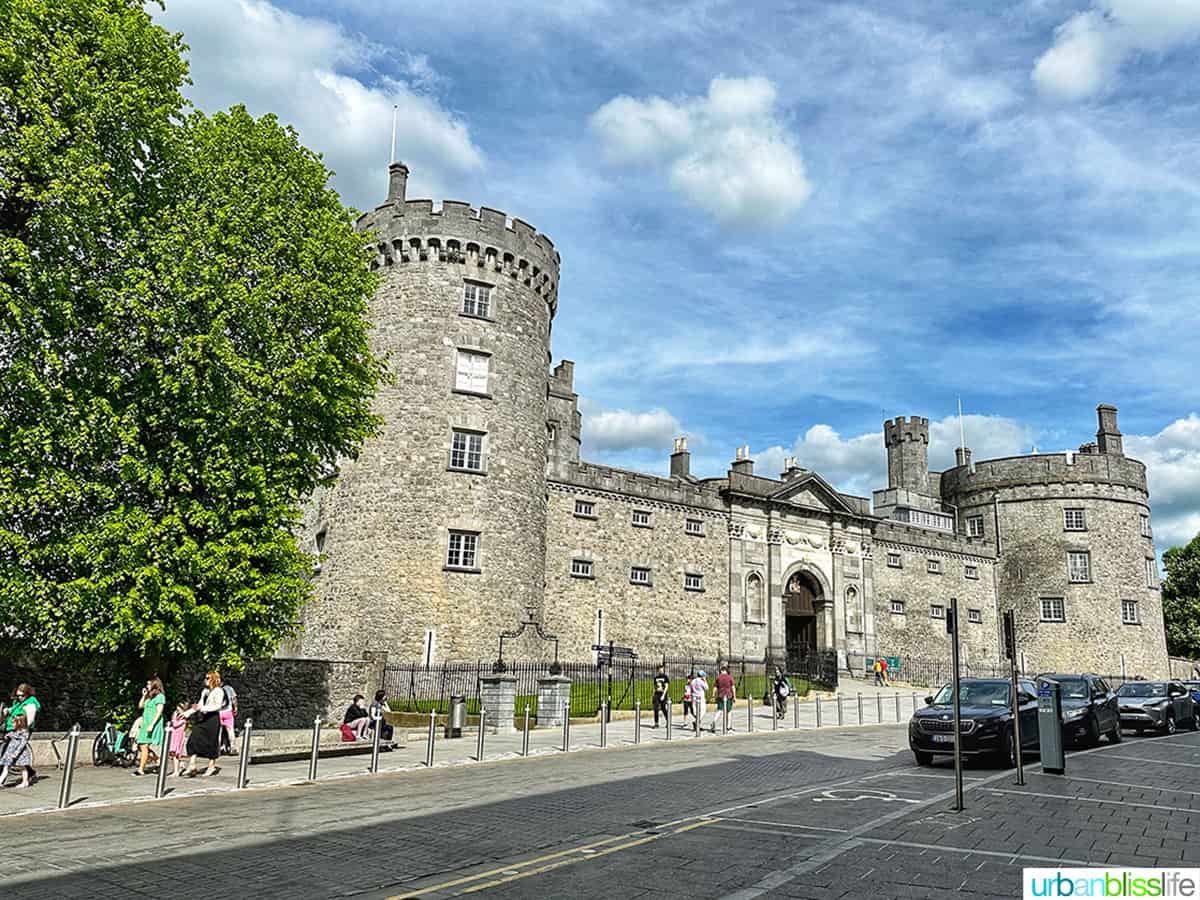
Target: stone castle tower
458, 476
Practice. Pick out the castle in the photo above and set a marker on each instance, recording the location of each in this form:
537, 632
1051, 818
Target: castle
473, 506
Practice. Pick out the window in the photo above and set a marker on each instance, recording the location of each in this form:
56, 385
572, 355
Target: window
471, 372
933, 566
975, 616
970, 571
1053, 609
895, 561
641, 518
1129, 613
693, 582
463, 550
1079, 567
897, 607
585, 509
1151, 572
937, 611
756, 609
924, 519
1145, 520
639, 575
466, 451
975, 526
477, 300
1073, 520
694, 526
581, 568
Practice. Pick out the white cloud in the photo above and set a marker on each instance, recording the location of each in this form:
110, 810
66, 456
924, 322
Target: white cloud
988, 437
620, 429
1090, 47
1172, 459
727, 152
310, 72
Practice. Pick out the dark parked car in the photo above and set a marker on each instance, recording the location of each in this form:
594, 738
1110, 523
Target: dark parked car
1161, 705
985, 724
1089, 709
1193, 688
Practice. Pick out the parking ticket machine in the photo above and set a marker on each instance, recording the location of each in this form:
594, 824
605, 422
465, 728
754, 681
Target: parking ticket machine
1050, 733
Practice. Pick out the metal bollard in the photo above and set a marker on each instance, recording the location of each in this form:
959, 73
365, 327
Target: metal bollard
818, 711
860, 716
316, 746
64, 792
376, 737
725, 721
796, 711
432, 738
774, 717
897, 707
164, 750
566, 727
525, 734
669, 718
879, 708
696, 718
637, 722
244, 754
914, 702
749, 713
482, 731
839, 696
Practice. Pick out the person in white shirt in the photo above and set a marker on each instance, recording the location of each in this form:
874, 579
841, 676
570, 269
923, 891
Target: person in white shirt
205, 738
699, 694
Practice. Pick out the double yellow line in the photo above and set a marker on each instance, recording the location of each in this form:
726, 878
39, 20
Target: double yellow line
541, 864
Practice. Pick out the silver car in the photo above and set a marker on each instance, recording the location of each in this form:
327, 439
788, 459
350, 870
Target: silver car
1158, 705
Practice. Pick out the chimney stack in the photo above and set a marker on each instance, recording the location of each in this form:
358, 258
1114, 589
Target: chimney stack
397, 182
681, 459
1108, 435
791, 469
742, 463
962, 456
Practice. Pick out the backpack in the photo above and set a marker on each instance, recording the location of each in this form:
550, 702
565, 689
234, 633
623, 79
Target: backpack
347, 734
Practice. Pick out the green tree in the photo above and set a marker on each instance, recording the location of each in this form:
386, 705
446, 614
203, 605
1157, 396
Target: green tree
183, 350
1181, 599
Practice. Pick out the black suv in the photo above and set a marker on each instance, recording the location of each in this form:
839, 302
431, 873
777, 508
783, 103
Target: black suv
1090, 709
985, 723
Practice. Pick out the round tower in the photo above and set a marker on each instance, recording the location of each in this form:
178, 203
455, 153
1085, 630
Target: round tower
1077, 559
907, 442
433, 538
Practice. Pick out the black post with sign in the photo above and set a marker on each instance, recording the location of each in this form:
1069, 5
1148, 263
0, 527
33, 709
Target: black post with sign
952, 630
1010, 651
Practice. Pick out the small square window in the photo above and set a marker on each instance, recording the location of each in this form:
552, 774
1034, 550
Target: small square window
1079, 567
1073, 520
466, 451
975, 616
581, 568
1053, 609
937, 611
477, 300
639, 575
895, 560
897, 607
462, 551
641, 518
1145, 522
1129, 613
975, 526
1151, 572
933, 566
585, 509
694, 527
693, 582
970, 571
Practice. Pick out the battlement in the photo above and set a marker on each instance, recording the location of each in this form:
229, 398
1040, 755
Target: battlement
899, 430
892, 532
483, 241
642, 486
1042, 470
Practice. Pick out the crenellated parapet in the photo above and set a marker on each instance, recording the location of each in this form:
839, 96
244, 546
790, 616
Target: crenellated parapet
484, 242
1035, 473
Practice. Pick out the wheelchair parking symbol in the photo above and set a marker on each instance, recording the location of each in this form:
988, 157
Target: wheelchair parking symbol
849, 795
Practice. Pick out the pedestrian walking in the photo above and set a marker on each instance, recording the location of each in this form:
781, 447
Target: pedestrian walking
878, 673
25, 703
662, 695
150, 733
205, 738
228, 713
883, 671
699, 696
179, 723
17, 752
725, 696
783, 690
687, 699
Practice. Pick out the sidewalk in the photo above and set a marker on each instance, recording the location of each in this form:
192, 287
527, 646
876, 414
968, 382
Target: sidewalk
104, 786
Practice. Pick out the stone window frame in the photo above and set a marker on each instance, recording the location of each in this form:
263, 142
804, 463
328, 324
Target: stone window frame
749, 610
582, 568
483, 451
1146, 530
479, 353
693, 581
649, 523
933, 566
589, 512
1151, 573
971, 571
1074, 518
896, 607
1052, 613
489, 302
895, 559
1074, 571
975, 526
937, 611
693, 527
648, 581
474, 540
1131, 612
975, 616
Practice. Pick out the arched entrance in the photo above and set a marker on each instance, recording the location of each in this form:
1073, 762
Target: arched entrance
803, 606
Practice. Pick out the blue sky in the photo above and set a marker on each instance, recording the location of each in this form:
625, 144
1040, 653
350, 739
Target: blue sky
782, 222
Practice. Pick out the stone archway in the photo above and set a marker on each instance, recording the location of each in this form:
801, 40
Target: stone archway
805, 604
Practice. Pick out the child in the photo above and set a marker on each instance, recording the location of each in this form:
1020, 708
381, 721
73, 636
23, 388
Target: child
17, 752
179, 723
687, 699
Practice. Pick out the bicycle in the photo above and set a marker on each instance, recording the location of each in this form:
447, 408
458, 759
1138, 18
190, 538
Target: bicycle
113, 747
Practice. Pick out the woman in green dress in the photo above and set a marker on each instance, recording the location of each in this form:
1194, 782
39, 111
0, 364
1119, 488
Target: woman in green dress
151, 733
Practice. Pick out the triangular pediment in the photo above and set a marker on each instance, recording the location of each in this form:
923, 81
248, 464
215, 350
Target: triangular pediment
813, 491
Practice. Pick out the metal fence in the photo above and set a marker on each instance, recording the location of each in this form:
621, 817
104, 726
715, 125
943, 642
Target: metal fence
934, 673
415, 687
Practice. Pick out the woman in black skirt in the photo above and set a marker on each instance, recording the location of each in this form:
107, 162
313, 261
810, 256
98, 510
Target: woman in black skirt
205, 737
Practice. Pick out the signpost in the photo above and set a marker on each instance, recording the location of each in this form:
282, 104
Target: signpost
1010, 651
606, 654
952, 630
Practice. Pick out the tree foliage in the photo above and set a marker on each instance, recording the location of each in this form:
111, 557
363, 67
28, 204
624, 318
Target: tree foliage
183, 349
1181, 599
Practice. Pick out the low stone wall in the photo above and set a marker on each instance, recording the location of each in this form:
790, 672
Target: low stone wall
1187, 669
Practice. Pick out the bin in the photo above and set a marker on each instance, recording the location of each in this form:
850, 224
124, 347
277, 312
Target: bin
456, 719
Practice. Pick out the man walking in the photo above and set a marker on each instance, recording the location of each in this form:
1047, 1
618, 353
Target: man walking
883, 672
725, 695
878, 672
662, 695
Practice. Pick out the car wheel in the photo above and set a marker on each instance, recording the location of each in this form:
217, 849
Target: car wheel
1007, 755
1092, 739
923, 758
1193, 722
1115, 736
1169, 725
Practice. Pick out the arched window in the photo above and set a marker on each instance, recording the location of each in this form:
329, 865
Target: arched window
854, 610
756, 607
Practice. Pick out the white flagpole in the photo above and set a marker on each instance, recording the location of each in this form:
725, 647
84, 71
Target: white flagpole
962, 432
395, 111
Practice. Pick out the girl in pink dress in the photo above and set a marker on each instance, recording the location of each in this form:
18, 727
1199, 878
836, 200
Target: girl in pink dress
179, 723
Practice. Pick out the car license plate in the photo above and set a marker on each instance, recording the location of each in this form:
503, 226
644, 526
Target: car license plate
943, 739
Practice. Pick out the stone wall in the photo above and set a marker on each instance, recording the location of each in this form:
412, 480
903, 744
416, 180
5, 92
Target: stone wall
66, 696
